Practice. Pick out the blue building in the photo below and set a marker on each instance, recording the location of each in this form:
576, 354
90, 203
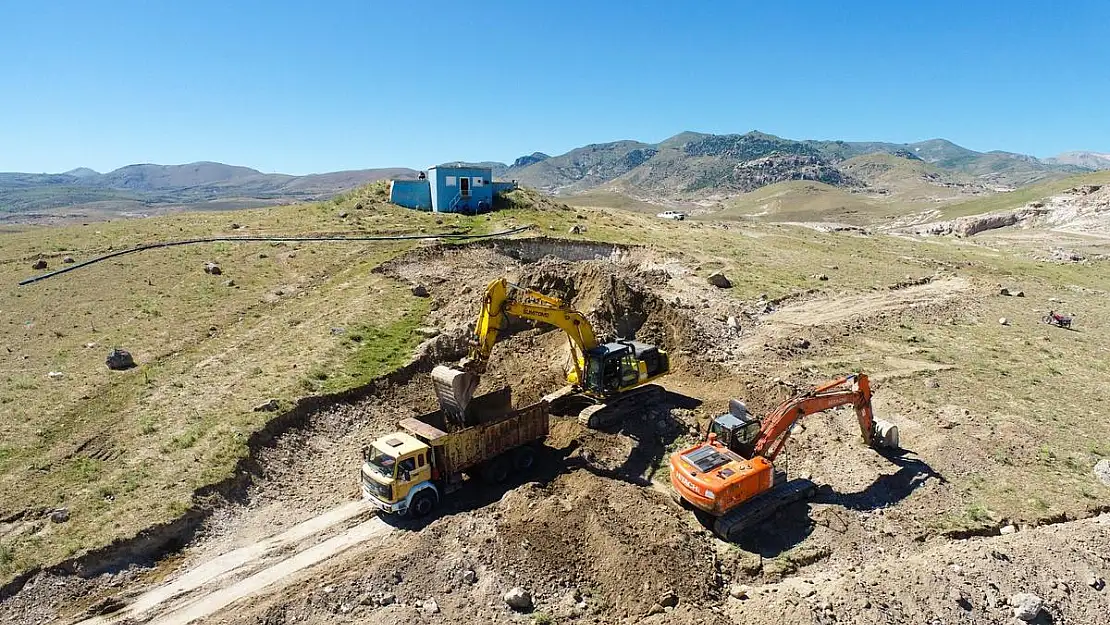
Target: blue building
449, 189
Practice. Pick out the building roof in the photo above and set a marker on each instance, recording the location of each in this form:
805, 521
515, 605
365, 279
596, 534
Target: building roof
461, 166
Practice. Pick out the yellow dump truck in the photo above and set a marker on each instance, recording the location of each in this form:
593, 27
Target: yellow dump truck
410, 471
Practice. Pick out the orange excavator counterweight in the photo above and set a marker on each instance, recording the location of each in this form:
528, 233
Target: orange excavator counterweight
732, 476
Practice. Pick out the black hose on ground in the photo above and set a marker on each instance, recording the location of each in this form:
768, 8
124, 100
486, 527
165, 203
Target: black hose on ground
285, 239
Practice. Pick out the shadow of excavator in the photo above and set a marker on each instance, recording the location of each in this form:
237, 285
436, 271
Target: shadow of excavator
794, 523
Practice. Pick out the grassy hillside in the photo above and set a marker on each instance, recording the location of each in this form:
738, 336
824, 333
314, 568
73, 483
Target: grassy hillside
124, 450
1021, 197
603, 199
803, 200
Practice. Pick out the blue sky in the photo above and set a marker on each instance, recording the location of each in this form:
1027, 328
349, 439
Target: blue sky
304, 87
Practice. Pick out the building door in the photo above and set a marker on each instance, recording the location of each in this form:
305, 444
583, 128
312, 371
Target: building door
464, 186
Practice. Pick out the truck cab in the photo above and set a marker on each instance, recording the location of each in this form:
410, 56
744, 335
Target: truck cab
393, 467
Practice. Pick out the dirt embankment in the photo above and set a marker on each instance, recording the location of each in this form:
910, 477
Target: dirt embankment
1081, 210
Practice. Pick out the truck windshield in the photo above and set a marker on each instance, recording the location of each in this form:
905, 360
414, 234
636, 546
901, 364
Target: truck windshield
381, 462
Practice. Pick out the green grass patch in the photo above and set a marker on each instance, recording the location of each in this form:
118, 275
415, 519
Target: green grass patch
374, 350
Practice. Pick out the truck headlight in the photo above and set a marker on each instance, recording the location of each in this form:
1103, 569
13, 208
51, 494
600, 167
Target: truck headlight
709, 494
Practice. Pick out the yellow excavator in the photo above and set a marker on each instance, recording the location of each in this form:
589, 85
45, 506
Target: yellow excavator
602, 376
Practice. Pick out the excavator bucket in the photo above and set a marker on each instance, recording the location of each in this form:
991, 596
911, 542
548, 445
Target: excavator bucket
886, 434
454, 389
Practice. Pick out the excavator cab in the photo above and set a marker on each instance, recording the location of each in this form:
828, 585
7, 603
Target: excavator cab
737, 429
614, 367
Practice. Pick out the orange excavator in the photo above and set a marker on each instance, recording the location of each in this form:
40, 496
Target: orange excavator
731, 475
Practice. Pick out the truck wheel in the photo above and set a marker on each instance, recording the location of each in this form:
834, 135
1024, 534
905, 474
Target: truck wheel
523, 458
496, 470
423, 503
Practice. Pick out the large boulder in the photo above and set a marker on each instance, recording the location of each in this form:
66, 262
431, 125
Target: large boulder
519, 599
119, 359
719, 280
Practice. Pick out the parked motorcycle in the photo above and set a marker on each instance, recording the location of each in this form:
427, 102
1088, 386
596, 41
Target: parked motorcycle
1055, 319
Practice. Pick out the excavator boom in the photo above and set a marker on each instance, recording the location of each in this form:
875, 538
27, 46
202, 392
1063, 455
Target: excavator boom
504, 299
731, 475
853, 389
598, 373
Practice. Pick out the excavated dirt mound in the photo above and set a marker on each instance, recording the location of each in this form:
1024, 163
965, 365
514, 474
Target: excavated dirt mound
580, 545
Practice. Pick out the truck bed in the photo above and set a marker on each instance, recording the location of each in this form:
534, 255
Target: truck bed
498, 429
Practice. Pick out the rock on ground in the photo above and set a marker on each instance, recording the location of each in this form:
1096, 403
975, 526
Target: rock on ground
212, 268
1102, 471
1026, 606
719, 280
119, 359
519, 599
39, 264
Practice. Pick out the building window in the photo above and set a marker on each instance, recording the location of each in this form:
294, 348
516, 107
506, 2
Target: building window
449, 181
479, 182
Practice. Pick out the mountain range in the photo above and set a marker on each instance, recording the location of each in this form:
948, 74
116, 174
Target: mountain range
688, 167
143, 187
691, 166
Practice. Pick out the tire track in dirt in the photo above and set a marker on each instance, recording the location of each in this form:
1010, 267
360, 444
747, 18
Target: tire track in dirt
244, 558
278, 573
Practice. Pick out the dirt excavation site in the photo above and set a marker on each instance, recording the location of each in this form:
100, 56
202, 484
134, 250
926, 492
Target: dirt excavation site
591, 533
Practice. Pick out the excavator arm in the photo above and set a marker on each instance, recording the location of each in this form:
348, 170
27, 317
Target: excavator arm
504, 299
853, 389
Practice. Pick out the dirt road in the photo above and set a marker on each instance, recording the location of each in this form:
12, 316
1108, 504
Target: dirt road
205, 589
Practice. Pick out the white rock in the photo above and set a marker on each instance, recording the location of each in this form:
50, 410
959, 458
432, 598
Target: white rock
1007, 529
1026, 606
1102, 471
430, 606
1004, 321
739, 591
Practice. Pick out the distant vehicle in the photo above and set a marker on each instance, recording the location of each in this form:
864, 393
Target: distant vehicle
676, 215
1054, 318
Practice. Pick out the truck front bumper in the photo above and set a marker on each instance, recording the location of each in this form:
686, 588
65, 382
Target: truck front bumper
389, 508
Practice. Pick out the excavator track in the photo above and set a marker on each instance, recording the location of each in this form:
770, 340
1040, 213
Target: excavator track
592, 413
604, 414
732, 525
